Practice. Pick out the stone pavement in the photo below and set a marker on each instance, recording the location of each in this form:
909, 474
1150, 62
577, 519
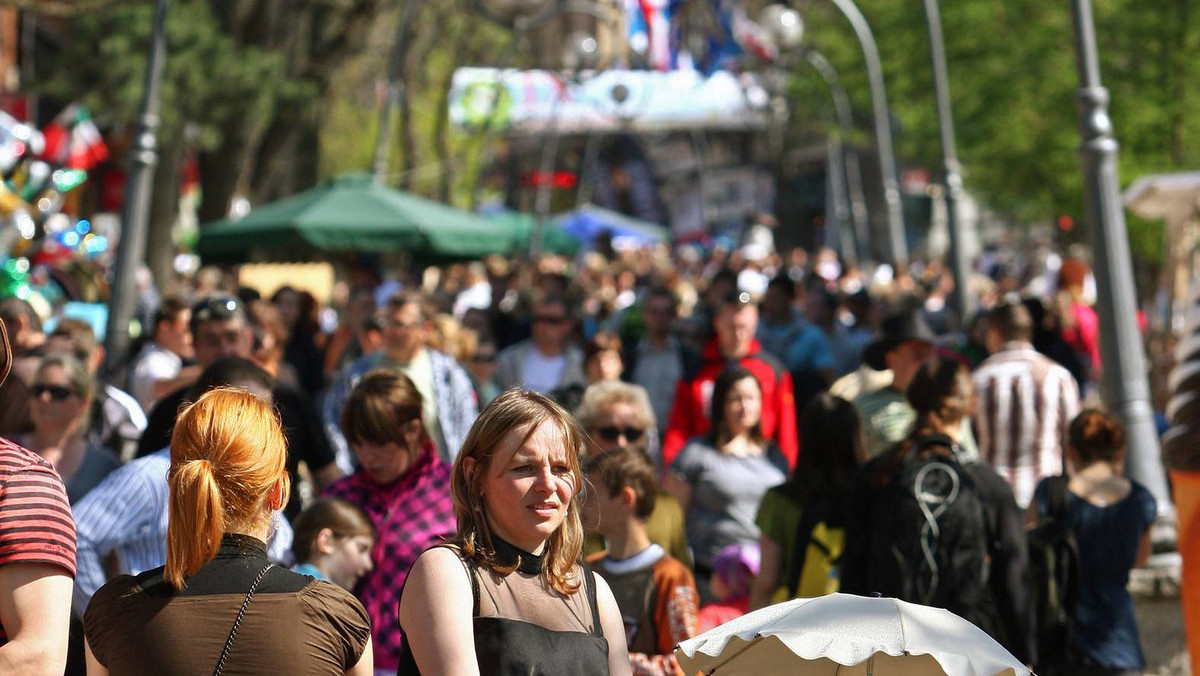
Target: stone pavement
1155, 592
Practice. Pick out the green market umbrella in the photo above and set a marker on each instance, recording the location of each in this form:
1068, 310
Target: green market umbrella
520, 227
352, 213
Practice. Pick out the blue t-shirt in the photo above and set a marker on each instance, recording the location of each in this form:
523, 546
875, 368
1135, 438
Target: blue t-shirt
799, 344
1108, 537
309, 570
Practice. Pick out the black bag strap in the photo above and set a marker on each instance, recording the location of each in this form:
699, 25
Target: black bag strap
928, 440
237, 622
1057, 498
812, 515
589, 582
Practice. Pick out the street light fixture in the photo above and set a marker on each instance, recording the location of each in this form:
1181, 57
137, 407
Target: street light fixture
783, 26
779, 26
581, 53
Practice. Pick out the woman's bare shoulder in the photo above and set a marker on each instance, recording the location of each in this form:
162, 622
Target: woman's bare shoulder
440, 561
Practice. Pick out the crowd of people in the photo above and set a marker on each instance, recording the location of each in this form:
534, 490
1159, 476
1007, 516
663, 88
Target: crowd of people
560, 467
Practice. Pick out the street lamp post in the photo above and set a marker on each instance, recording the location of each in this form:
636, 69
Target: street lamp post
582, 53
953, 176
135, 215
883, 129
841, 107
1124, 381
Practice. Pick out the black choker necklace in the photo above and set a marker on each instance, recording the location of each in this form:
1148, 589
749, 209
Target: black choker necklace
507, 554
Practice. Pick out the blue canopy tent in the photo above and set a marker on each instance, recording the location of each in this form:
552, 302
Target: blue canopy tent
588, 221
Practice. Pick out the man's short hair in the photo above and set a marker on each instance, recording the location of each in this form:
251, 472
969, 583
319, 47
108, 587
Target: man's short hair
784, 284
230, 372
664, 293
628, 467
402, 298
734, 300
554, 299
13, 308
167, 311
1012, 321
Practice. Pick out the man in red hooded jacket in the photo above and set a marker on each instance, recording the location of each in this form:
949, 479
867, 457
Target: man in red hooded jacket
735, 322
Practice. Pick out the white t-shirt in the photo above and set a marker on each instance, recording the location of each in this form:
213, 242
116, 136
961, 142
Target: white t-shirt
420, 372
153, 363
541, 373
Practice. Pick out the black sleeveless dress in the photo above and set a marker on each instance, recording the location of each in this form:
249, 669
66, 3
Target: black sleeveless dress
511, 646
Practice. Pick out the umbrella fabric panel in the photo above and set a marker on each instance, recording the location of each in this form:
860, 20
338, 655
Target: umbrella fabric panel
450, 231
769, 655
851, 630
588, 221
353, 213
520, 229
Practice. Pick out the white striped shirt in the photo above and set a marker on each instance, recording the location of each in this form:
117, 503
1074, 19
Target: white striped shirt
1026, 403
126, 515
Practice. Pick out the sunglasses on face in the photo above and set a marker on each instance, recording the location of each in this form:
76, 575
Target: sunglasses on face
484, 358
549, 319
610, 433
56, 392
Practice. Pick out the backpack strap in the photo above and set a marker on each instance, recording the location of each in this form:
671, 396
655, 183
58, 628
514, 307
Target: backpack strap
1057, 498
812, 514
929, 440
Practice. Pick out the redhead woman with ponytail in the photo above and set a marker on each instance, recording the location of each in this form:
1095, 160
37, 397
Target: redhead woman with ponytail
218, 606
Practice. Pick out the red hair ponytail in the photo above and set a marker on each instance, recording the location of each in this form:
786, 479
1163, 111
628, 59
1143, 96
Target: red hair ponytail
227, 453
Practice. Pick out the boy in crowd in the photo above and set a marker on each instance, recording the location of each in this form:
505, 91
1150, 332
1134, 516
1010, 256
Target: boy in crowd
655, 592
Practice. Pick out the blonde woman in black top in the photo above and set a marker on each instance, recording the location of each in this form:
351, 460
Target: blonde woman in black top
509, 595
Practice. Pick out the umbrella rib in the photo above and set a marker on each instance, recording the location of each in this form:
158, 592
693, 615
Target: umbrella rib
900, 623
757, 638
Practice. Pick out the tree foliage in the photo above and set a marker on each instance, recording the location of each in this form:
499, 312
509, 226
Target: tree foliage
1013, 80
284, 93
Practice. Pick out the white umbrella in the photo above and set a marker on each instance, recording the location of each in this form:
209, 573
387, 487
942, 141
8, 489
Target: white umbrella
845, 635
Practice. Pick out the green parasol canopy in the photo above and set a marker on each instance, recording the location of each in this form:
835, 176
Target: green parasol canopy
520, 228
352, 213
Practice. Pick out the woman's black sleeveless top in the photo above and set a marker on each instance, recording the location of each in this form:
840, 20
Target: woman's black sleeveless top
513, 647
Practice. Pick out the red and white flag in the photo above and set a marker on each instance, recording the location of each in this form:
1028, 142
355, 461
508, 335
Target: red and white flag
73, 140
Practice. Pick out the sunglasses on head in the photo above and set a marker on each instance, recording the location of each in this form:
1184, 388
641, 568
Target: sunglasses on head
56, 392
215, 308
610, 433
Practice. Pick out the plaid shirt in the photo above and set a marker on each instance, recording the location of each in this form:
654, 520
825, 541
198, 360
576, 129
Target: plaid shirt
411, 514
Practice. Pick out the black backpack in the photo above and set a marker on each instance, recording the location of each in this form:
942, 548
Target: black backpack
1054, 571
928, 534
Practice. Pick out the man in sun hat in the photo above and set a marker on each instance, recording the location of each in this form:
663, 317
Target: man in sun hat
905, 343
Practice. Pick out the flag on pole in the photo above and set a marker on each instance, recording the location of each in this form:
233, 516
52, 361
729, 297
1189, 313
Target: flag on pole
73, 140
